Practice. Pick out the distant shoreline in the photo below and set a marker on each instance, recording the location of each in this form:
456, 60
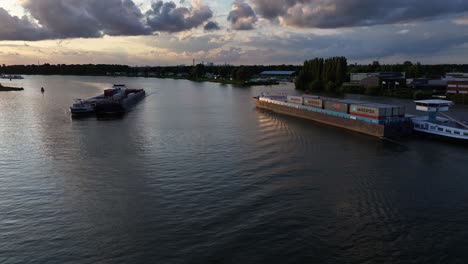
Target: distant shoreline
200, 79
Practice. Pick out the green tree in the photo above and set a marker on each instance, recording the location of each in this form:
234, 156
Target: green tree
414, 71
331, 87
197, 71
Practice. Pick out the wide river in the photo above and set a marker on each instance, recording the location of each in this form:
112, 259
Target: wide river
196, 174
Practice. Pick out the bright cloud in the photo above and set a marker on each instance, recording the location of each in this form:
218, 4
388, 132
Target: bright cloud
165, 32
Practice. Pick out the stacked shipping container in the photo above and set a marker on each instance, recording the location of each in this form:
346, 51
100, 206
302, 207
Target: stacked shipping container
295, 99
313, 101
357, 108
336, 105
371, 111
377, 111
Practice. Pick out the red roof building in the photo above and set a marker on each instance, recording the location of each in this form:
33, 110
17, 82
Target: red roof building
457, 87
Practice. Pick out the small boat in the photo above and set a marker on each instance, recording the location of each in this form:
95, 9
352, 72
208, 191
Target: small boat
42, 90
432, 124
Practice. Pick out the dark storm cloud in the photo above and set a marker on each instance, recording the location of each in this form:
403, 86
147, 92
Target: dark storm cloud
350, 13
242, 16
87, 18
168, 17
211, 26
385, 41
59, 19
119, 17
15, 28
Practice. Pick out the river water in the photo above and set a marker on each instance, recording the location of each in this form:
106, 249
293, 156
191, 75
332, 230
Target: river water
196, 174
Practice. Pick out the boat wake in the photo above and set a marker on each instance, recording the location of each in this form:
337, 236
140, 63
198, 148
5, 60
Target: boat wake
150, 94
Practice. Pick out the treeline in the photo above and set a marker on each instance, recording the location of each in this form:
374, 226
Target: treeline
240, 73
317, 74
62, 69
320, 74
243, 72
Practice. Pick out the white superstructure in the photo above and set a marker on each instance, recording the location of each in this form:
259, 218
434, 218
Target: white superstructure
436, 125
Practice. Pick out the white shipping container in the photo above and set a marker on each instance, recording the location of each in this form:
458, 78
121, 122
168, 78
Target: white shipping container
314, 102
372, 110
295, 99
367, 110
390, 109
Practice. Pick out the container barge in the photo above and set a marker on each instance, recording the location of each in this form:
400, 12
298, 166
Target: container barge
373, 119
117, 100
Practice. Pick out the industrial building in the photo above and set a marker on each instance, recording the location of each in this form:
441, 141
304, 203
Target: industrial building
388, 80
457, 86
428, 84
274, 77
359, 76
456, 75
277, 74
371, 81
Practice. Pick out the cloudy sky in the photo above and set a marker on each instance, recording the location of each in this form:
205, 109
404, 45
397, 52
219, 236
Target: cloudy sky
154, 32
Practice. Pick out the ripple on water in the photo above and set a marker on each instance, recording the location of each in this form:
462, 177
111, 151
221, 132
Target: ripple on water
196, 174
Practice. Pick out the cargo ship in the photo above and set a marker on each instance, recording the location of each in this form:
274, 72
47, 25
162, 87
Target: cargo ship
117, 100
380, 120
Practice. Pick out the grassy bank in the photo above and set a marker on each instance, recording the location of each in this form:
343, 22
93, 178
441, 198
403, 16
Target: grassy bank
222, 81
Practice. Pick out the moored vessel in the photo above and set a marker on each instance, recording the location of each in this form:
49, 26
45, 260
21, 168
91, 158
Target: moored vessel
445, 127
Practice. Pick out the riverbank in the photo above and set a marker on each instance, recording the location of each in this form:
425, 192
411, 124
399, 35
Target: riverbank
225, 81
220, 81
9, 89
201, 79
